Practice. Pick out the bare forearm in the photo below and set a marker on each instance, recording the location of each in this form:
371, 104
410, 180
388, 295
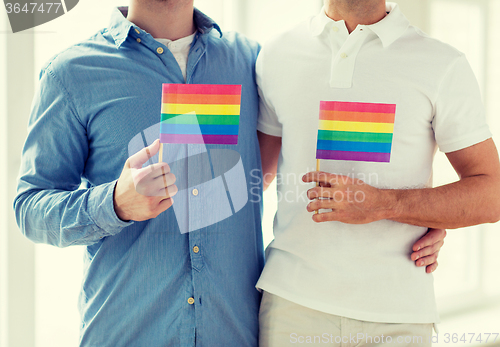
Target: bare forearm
470, 201
270, 147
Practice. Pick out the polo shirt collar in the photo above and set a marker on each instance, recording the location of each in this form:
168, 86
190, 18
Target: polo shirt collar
120, 27
389, 29
392, 26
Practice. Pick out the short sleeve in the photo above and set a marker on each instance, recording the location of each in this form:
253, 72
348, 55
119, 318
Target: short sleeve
459, 119
268, 122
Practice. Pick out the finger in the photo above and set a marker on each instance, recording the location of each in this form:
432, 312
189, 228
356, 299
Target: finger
425, 261
431, 268
165, 181
427, 250
156, 170
137, 160
320, 204
160, 194
150, 172
320, 176
329, 193
156, 187
168, 192
326, 216
324, 185
432, 236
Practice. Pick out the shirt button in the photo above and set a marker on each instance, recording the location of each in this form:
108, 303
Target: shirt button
343, 55
137, 31
159, 50
195, 192
335, 29
196, 249
138, 40
191, 301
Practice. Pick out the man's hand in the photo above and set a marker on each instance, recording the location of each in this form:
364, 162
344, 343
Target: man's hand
349, 199
426, 249
144, 193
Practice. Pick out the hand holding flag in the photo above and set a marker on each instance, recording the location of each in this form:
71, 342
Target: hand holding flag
349, 131
143, 193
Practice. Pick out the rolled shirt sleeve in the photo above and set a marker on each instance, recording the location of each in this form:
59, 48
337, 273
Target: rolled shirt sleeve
50, 206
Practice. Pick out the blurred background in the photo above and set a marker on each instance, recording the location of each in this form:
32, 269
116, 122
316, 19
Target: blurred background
39, 284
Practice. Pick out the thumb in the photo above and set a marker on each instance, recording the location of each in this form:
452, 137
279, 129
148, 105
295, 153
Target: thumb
137, 160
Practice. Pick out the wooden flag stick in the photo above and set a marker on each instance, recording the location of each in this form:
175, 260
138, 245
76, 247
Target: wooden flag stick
317, 183
160, 154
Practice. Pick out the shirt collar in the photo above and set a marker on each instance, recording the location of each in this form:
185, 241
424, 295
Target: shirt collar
120, 27
389, 29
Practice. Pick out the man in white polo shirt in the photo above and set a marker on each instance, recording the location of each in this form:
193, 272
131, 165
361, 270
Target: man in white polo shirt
345, 272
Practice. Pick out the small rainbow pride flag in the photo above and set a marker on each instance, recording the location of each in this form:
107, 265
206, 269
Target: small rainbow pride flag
200, 113
355, 131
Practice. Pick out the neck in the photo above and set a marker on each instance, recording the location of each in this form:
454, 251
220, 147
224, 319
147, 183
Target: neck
354, 12
163, 19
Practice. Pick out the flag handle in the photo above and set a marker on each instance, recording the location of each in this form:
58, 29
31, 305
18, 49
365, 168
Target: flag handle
317, 183
160, 154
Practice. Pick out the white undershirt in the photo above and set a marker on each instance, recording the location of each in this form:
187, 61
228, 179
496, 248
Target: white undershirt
180, 49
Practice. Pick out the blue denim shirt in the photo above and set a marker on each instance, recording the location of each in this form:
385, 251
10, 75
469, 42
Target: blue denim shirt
145, 283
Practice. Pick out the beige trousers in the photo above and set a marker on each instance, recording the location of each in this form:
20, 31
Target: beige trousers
284, 323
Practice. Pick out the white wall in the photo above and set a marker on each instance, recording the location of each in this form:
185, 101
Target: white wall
18, 271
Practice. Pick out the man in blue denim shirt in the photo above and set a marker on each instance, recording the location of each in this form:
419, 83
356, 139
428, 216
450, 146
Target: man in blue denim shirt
146, 281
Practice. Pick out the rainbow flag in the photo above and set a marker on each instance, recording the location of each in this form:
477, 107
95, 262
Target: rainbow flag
200, 113
355, 131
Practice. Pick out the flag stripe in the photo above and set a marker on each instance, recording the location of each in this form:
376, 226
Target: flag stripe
357, 116
200, 119
201, 89
199, 139
357, 107
193, 129
354, 156
354, 136
363, 127
201, 109
354, 146
206, 99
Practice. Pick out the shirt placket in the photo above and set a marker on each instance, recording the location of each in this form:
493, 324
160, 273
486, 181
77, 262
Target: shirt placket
198, 172
345, 48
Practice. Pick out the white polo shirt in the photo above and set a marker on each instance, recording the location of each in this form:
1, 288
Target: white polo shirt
360, 271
